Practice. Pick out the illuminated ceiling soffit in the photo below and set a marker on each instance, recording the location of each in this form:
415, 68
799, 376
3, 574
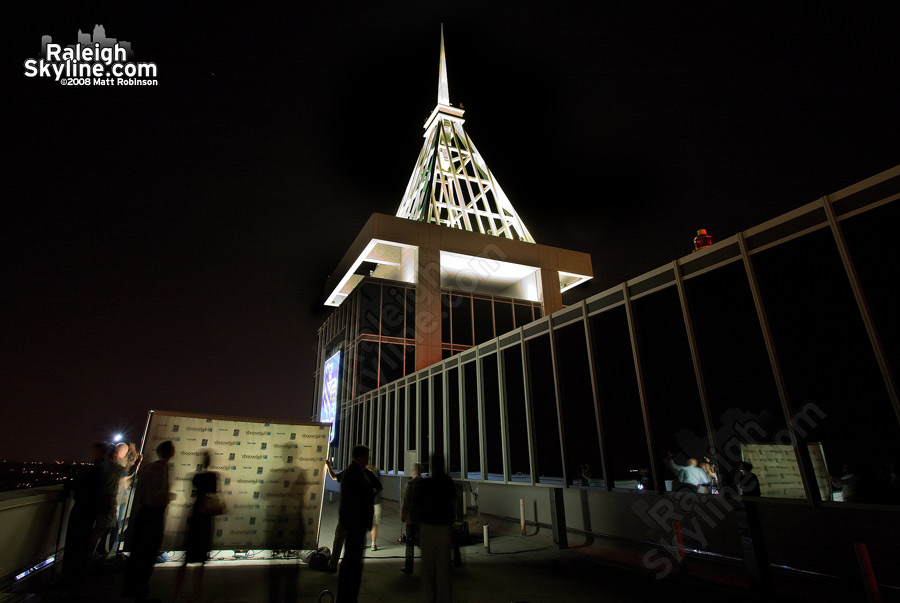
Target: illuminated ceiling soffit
485, 275
451, 184
381, 259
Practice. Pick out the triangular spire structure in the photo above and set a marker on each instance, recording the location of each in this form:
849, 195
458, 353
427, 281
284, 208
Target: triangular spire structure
451, 184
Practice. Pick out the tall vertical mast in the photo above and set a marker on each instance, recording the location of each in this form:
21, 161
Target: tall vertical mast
443, 88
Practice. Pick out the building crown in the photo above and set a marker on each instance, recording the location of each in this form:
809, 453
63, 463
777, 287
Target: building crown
451, 184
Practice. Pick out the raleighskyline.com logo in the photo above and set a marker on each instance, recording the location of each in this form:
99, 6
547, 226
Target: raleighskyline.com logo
94, 60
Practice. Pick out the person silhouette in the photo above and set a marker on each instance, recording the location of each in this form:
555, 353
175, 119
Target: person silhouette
358, 490
436, 507
152, 496
200, 526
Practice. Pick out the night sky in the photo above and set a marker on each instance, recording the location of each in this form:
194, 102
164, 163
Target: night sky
167, 247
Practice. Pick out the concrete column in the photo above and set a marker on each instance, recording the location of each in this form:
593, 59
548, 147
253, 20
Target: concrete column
558, 518
428, 308
550, 295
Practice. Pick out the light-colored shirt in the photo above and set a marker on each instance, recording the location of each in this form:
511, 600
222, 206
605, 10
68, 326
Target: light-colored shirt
689, 474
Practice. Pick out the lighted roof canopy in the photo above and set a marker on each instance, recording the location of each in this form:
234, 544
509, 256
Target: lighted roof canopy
451, 184
453, 187
389, 247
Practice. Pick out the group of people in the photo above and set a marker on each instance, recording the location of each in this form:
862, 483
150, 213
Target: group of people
152, 496
695, 476
100, 492
700, 477
428, 511
98, 513
880, 485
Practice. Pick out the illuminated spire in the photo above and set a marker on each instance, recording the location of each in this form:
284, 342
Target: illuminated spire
443, 88
451, 184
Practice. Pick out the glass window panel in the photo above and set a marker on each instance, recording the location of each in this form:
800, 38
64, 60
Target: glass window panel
543, 403
453, 459
391, 363
369, 308
437, 383
740, 386
413, 417
401, 428
377, 440
356, 426
836, 391
473, 451
366, 367
483, 313
360, 423
348, 436
364, 422
371, 406
517, 424
424, 415
462, 320
628, 461
445, 318
523, 315
393, 312
362, 409
673, 401
387, 428
503, 317
410, 313
491, 395
579, 417
870, 238
410, 361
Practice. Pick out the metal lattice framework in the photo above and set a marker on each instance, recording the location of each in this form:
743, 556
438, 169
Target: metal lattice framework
451, 184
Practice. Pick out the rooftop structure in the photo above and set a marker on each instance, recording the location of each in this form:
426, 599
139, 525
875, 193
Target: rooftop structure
455, 220
451, 184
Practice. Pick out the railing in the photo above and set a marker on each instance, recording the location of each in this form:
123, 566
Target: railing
31, 530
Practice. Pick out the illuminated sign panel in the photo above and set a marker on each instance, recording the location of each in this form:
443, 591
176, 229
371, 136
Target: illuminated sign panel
328, 410
270, 476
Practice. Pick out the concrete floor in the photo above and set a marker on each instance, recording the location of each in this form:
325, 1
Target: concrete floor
518, 568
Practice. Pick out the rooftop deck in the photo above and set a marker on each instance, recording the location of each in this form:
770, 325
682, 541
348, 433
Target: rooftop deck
517, 568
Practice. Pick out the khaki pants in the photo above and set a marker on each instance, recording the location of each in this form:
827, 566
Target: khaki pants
435, 542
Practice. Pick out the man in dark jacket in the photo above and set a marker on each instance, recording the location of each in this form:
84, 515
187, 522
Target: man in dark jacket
88, 493
358, 490
436, 505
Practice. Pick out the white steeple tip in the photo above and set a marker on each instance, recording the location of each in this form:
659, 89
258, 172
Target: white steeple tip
443, 88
